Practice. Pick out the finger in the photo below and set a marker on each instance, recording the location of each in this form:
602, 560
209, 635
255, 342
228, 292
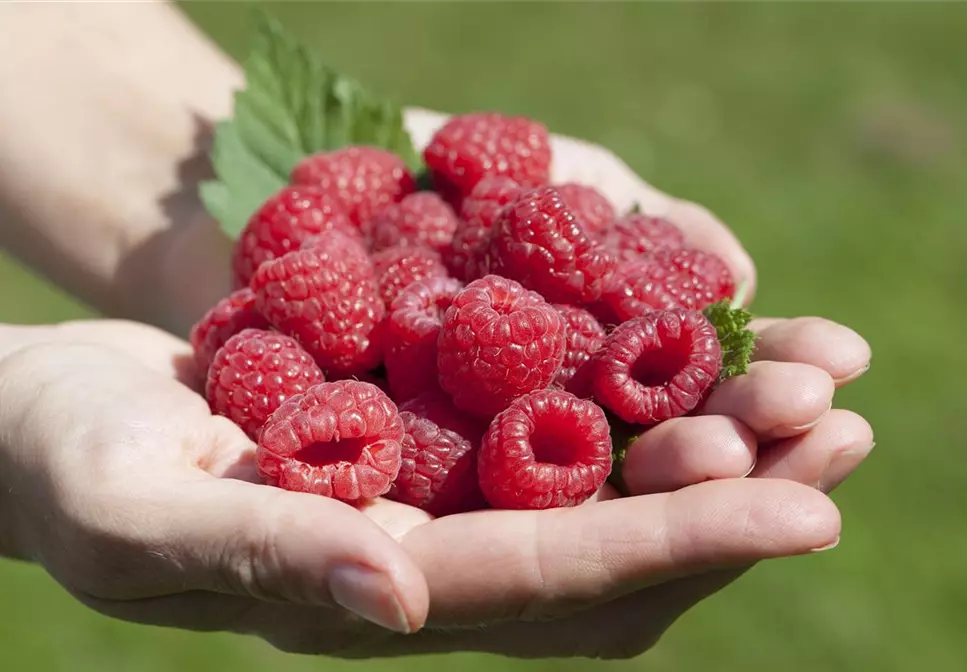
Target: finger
822, 457
832, 347
685, 451
535, 564
257, 541
774, 399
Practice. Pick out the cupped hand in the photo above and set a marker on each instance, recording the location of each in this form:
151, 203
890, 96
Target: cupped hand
138, 501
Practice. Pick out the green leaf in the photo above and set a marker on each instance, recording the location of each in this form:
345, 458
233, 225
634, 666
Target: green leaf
293, 105
738, 342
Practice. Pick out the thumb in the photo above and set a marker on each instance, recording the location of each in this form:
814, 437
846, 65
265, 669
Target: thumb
257, 541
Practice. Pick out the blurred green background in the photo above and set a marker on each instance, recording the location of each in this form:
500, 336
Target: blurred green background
832, 138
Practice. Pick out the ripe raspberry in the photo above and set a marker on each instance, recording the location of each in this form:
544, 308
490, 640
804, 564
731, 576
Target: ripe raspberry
339, 244
225, 319
253, 373
592, 209
473, 146
326, 301
282, 223
584, 337
657, 366
363, 179
420, 219
339, 440
635, 235
664, 279
548, 449
538, 242
479, 211
498, 342
439, 470
399, 267
412, 330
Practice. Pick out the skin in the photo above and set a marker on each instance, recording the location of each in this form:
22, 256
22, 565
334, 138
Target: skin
180, 534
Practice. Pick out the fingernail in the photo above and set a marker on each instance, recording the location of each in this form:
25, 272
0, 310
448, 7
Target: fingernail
810, 425
842, 465
831, 545
853, 376
369, 594
751, 469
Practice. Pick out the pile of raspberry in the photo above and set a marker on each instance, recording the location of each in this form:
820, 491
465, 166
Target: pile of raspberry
459, 348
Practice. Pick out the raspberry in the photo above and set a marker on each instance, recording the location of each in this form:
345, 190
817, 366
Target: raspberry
657, 366
339, 440
584, 337
548, 449
592, 209
412, 330
538, 242
498, 342
664, 279
439, 470
635, 235
282, 223
253, 373
479, 211
326, 301
399, 267
339, 244
225, 319
363, 179
473, 146
422, 218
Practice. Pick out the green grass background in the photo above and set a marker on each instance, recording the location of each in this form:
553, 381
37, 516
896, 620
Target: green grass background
832, 138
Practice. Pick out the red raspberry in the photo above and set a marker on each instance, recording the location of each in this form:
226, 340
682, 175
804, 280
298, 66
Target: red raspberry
339, 440
253, 373
281, 225
538, 242
399, 267
584, 337
548, 449
592, 208
498, 342
635, 235
479, 212
363, 179
706, 267
338, 243
657, 366
225, 319
473, 146
439, 470
421, 219
328, 302
412, 330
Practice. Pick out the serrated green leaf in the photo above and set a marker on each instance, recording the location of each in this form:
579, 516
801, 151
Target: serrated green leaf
738, 342
293, 105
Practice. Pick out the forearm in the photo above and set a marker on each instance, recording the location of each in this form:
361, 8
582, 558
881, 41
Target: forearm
103, 137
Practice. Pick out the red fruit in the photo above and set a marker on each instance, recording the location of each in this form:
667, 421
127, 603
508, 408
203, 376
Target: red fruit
225, 319
548, 449
658, 366
538, 242
592, 208
399, 267
471, 147
363, 179
635, 235
253, 373
281, 225
339, 244
439, 470
339, 440
413, 328
328, 302
706, 267
420, 219
584, 337
498, 342
479, 211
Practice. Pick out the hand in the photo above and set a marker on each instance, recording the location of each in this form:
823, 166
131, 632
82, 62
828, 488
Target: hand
174, 535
